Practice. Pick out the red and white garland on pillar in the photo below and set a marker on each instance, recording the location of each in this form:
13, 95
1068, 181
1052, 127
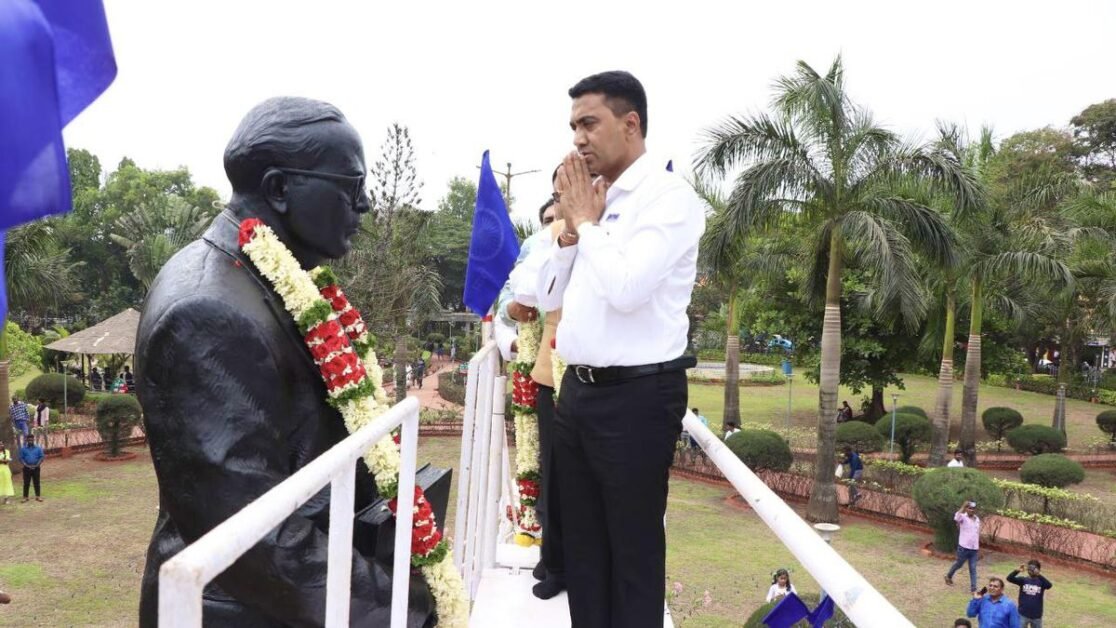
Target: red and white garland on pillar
524, 392
342, 350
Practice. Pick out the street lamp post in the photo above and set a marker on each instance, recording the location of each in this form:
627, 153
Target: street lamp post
894, 404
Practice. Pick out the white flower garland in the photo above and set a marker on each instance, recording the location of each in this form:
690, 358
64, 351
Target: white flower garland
303, 299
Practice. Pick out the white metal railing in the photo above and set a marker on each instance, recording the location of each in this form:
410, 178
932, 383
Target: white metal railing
860, 601
479, 472
183, 577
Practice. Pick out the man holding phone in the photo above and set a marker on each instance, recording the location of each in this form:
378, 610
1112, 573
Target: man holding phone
992, 608
1032, 587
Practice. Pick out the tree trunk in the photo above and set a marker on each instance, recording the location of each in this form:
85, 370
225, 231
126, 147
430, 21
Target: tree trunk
400, 368
876, 408
732, 366
939, 440
972, 380
823, 495
7, 431
1059, 422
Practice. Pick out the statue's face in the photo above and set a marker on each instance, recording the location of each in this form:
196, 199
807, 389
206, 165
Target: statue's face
323, 213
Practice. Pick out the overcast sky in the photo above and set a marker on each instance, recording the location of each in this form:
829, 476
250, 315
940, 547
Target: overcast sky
469, 76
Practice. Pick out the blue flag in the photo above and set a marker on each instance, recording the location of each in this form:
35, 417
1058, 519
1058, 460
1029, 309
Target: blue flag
787, 612
823, 612
494, 247
56, 59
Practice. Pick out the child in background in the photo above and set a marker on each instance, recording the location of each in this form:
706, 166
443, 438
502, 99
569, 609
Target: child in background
780, 585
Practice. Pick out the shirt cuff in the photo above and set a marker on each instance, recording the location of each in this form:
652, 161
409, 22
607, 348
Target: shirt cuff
562, 256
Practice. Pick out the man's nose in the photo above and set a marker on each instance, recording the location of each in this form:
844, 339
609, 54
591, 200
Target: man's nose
362, 204
581, 138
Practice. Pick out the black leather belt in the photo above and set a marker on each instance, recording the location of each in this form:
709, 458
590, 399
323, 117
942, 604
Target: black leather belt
609, 374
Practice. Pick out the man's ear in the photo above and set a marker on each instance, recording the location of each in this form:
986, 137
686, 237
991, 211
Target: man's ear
632, 124
274, 190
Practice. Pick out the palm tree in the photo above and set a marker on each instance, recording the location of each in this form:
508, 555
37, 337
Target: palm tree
39, 274
821, 160
152, 234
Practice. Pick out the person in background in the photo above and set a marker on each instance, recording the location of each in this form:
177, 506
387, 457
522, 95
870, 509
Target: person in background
968, 543
420, 371
731, 428
958, 459
1032, 588
7, 491
20, 419
856, 470
129, 378
704, 421
31, 455
96, 382
846, 413
780, 585
961, 622
992, 608
42, 413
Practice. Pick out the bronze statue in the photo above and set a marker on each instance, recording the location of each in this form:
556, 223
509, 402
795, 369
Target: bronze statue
233, 403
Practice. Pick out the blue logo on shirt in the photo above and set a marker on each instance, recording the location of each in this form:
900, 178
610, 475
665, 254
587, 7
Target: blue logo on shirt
611, 217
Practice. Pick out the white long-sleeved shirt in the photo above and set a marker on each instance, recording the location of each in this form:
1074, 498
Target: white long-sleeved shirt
624, 288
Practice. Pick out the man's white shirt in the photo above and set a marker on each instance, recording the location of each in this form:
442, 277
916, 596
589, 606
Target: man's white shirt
624, 288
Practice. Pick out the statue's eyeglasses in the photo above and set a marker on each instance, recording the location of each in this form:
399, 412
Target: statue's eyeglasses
355, 181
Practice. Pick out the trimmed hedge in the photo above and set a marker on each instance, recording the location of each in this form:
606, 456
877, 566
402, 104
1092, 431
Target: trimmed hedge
1106, 421
452, 388
912, 410
1036, 439
941, 491
761, 449
50, 386
1052, 471
861, 436
911, 431
116, 416
1049, 386
999, 421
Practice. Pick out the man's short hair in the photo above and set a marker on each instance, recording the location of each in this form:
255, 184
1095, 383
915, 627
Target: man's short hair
272, 134
1034, 563
997, 579
545, 206
961, 621
623, 94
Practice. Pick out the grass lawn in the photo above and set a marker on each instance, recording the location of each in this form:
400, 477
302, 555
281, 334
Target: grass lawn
21, 382
77, 558
768, 404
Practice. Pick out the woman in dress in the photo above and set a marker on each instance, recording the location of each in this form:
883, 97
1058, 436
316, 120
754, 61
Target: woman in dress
6, 489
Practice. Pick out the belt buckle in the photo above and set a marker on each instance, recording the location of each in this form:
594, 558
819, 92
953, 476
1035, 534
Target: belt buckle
588, 377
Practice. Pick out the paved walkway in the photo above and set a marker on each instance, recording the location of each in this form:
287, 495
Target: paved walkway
428, 394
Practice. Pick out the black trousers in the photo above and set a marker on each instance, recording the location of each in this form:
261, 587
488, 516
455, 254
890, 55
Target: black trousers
30, 475
549, 508
615, 445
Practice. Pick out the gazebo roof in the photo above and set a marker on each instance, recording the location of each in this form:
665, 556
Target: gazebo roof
112, 335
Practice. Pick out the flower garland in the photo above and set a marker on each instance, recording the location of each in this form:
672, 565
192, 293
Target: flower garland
559, 366
524, 393
341, 347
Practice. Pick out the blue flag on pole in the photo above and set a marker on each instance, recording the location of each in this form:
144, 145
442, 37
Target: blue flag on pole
787, 612
823, 612
55, 59
494, 247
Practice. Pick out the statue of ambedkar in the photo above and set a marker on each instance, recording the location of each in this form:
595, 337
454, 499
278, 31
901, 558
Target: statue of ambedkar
233, 402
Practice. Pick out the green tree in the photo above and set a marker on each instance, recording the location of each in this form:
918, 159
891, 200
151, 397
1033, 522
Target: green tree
822, 160
1094, 141
152, 234
388, 273
447, 238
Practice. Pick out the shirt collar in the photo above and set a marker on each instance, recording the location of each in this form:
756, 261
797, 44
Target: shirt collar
633, 175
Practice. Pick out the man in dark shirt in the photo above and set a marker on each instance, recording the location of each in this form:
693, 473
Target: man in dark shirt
1032, 587
31, 455
856, 470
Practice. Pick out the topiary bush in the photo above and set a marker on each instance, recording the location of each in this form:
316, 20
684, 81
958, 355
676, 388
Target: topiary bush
911, 431
1052, 470
862, 437
999, 421
116, 416
50, 386
451, 389
761, 449
912, 410
839, 620
1036, 439
1106, 421
940, 492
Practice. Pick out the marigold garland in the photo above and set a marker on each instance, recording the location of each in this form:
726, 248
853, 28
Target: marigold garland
341, 347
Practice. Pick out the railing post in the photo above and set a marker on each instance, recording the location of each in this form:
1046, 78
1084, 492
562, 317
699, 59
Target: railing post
478, 490
496, 440
404, 520
180, 595
342, 490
